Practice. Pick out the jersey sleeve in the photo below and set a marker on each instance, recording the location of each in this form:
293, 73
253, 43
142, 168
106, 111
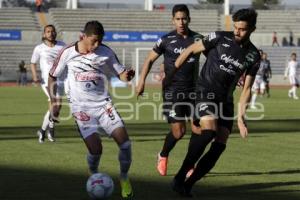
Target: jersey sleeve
211, 40
159, 47
253, 69
35, 55
59, 64
114, 62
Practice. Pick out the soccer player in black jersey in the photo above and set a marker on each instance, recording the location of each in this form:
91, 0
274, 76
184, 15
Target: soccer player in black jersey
178, 102
229, 55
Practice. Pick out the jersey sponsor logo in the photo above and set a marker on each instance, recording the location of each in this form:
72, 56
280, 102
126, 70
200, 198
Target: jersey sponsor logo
229, 71
172, 113
225, 45
230, 60
179, 50
203, 107
87, 76
171, 36
173, 41
81, 116
212, 36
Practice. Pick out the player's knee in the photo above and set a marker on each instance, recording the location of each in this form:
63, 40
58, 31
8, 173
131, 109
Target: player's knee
178, 134
125, 145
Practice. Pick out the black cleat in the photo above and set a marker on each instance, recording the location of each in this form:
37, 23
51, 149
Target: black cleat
181, 189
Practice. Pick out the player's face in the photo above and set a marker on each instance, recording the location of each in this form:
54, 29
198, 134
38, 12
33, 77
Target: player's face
50, 34
241, 31
181, 22
92, 42
294, 57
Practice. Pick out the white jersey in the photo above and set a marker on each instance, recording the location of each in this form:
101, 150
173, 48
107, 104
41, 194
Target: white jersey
291, 69
86, 74
46, 56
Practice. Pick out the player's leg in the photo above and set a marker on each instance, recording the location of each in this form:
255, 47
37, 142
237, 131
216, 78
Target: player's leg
197, 145
42, 131
94, 146
177, 132
256, 87
87, 125
175, 112
113, 125
208, 161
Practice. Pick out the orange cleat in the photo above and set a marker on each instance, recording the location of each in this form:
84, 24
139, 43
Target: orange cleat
162, 164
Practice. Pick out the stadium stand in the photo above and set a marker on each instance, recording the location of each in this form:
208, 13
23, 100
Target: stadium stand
18, 18
131, 20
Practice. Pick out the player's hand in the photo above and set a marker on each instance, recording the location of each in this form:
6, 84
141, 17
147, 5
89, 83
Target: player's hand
242, 127
241, 81
130, 74
140, 89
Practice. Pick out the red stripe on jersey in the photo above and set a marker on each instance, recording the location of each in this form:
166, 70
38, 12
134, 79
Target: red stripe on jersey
55, 63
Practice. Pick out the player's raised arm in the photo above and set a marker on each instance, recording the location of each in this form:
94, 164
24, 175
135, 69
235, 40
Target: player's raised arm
195, 48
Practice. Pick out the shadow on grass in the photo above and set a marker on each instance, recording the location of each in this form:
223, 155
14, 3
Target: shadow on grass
290, 171
23, 184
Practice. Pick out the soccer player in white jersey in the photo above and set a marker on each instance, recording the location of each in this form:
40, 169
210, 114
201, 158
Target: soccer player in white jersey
291, 71
86, 63
45, 53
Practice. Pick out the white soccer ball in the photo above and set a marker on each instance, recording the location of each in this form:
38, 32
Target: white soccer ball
99, 186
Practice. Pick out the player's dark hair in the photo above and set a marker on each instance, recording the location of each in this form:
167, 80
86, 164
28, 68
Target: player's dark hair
49, 26
181, 8
93, 28
248, 15
293, 54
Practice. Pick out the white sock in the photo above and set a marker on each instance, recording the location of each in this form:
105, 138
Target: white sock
253, 99
294, 88
46, 121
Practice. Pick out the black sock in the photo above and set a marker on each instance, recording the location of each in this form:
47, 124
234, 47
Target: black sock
197, 145
170, 142
205, 164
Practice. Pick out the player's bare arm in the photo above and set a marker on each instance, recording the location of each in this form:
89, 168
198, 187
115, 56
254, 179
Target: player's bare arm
145, 71
244, 100
195, 48
33, 71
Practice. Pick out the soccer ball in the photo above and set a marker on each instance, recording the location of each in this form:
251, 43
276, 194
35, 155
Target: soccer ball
99, 186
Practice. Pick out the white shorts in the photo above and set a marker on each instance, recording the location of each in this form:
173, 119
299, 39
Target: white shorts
293, 80
259, 83
91, 120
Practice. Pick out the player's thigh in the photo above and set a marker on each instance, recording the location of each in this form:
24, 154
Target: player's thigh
206, 111
222, 134
226, 116
111, 122
120, 135
93, 143
178, 129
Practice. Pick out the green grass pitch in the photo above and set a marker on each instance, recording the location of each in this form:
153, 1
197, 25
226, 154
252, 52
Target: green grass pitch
265, 166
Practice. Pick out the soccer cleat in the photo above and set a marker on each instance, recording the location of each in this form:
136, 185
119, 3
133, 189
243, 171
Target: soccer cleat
295, 97
50, 135
180, 189
162, 165
41, 134
253, 107
126, 189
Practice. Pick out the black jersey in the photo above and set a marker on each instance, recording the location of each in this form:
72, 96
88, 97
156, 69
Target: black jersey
171, 46
226, 62
264, 68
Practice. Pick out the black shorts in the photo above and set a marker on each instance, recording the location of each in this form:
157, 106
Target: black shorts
178, 106
222, 110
